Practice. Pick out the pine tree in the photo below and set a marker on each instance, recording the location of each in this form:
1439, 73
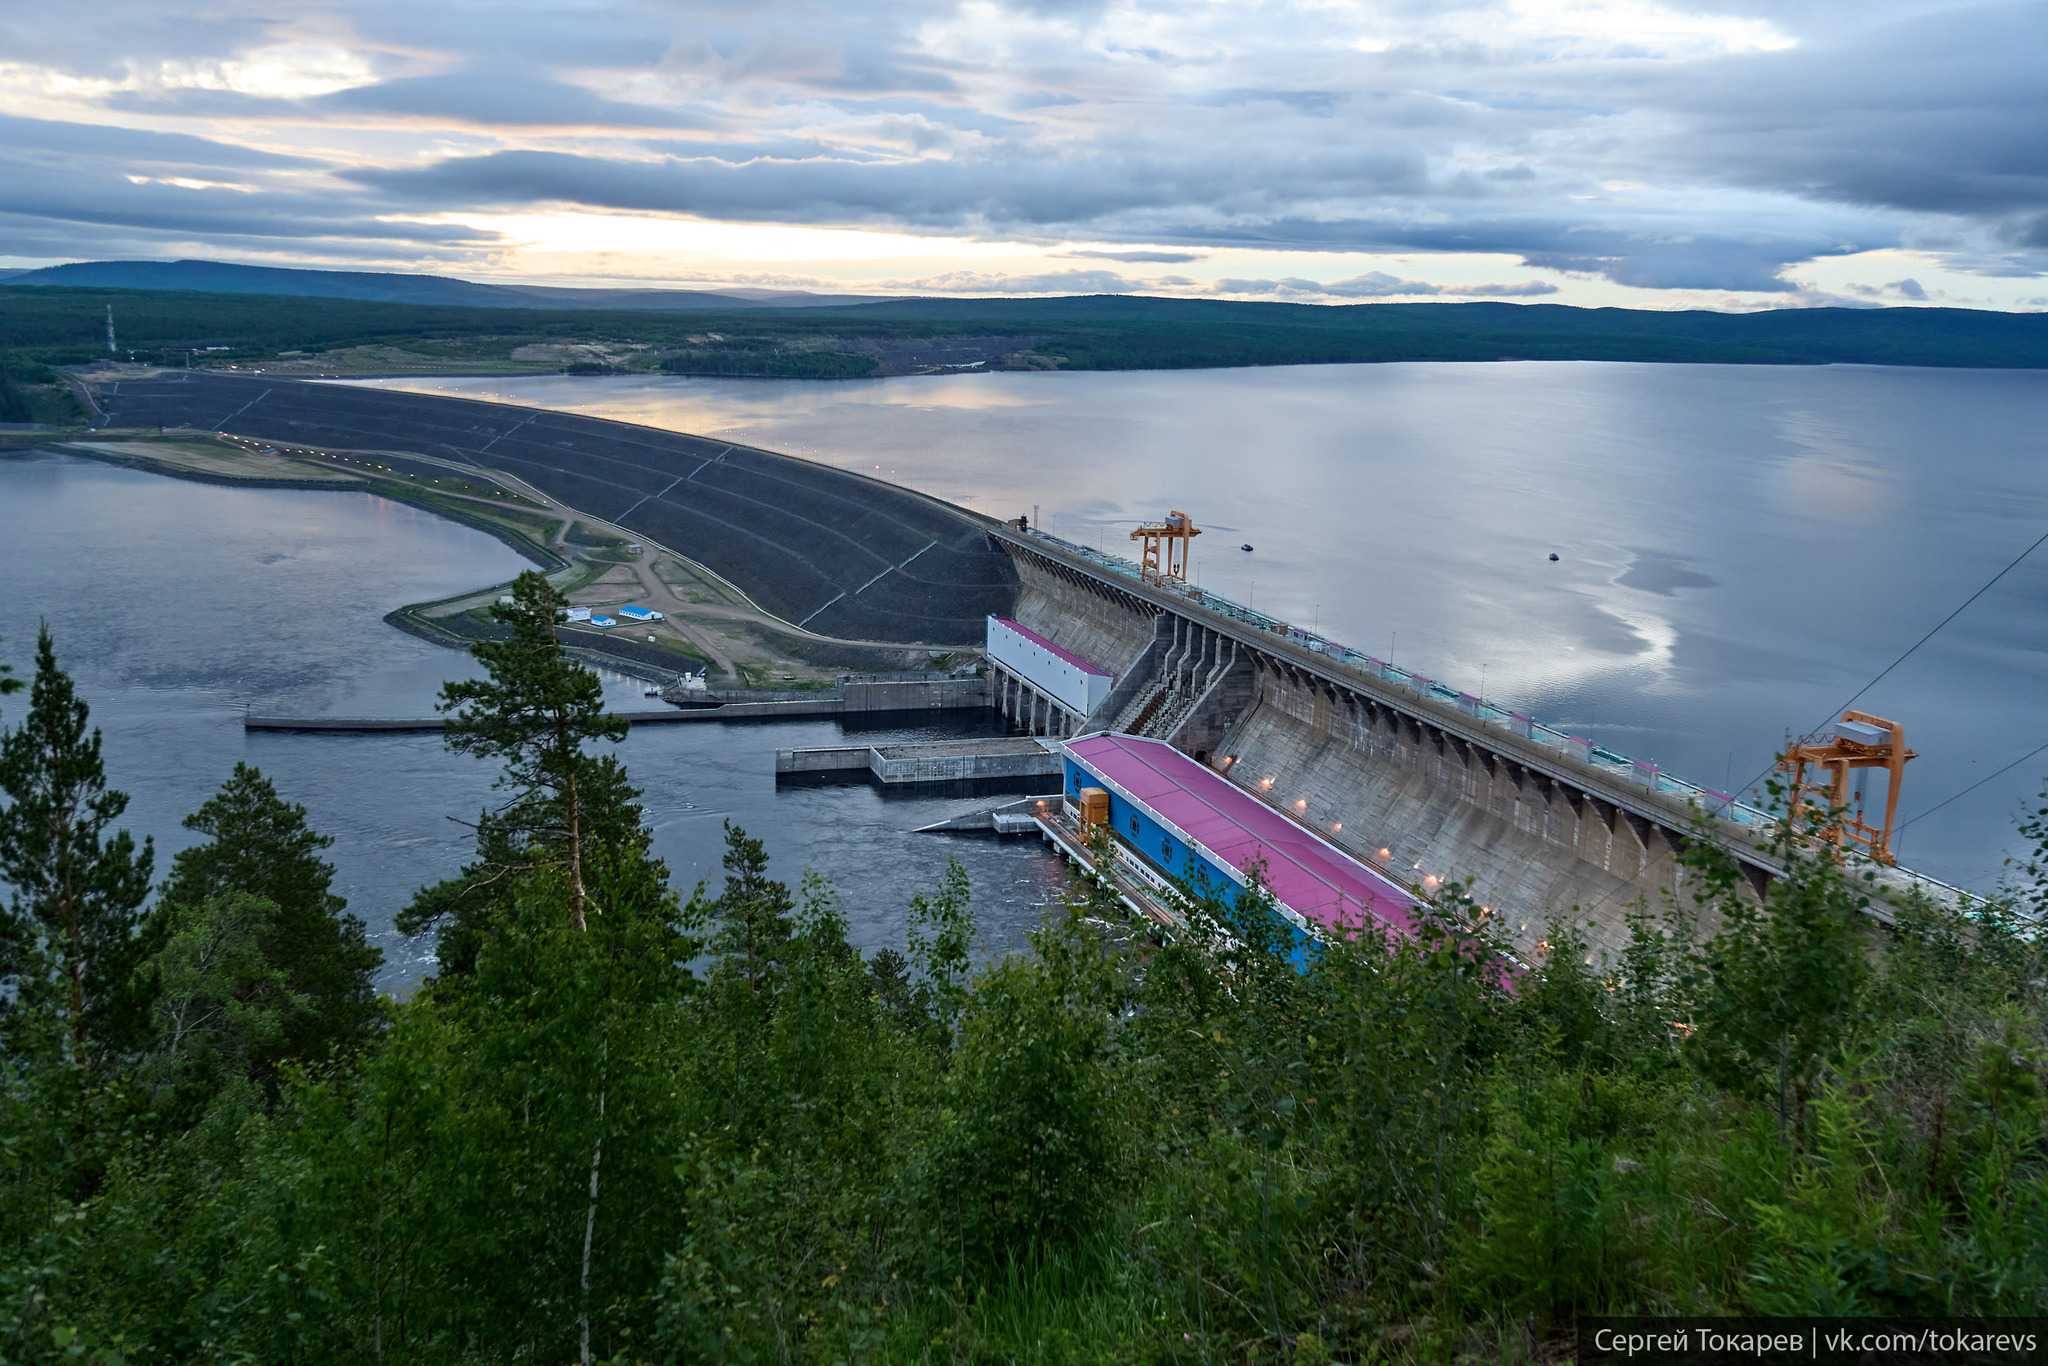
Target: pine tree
535, 712
262, 847
753, 915
72, 927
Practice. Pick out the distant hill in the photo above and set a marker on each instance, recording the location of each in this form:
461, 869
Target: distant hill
1975, 338
54, 317
219, 277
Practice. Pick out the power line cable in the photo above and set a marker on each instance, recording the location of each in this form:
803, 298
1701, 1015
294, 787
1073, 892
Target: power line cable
2013, 564
1857, 695
1974, 786
1945, 621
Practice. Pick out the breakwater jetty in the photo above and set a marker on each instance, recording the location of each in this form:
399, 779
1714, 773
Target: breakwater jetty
855, 695
758, 711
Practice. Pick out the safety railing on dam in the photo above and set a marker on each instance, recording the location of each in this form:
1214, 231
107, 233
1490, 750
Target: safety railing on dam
1646, 775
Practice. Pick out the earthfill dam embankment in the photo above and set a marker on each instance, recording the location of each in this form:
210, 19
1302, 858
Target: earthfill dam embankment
835, 553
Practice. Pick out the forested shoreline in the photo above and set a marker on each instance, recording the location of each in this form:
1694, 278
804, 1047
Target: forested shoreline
54, 325
630, 1121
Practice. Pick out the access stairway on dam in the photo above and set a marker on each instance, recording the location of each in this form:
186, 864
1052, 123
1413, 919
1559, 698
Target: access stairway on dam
1157, 712
1185, 672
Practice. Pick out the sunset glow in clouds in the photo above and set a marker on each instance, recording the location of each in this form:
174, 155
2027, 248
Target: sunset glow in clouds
1723, 155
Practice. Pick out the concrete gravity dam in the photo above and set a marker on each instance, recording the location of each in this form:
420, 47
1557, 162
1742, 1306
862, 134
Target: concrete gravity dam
1413, 782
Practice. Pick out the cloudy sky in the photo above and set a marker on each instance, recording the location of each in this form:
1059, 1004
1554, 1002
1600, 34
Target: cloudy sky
1717, 153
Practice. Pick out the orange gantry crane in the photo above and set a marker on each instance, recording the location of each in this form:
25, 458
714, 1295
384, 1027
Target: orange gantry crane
1858, 741
1166, 548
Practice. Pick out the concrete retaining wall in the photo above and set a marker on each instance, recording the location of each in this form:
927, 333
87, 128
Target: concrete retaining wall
922, 695
906, 764
937, 761
823, 760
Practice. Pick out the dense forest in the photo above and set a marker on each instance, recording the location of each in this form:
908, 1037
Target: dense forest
633, 1122
1111, 332
34, 392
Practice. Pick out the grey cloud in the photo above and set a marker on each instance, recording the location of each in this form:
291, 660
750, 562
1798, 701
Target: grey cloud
1936, 113
1167, 258
1376, 284
965, 118
202, 102
763, 149
1705, 260
1247, 129
1525, 289
39, 238
491, 99
120, 31
620, 36
1069, 197
134, 145
77, 191
502, 98
1051, 282
1035, 193
1042, 99
858, 62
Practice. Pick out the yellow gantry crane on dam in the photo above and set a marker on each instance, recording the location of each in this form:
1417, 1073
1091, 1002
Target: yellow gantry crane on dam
1859, 741
1166, 548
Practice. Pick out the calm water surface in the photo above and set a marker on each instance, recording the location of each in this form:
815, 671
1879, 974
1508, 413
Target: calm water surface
178, 605
1740, 548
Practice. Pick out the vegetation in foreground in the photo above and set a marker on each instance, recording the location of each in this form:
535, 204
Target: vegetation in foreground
630, 1125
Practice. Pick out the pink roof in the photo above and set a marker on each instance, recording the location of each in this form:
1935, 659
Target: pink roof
1306, 873
1025, 631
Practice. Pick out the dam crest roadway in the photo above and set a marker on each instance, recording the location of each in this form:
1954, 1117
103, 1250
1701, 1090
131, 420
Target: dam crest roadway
1424, 783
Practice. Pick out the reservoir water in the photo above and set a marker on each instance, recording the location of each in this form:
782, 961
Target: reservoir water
1739, 549
176, 606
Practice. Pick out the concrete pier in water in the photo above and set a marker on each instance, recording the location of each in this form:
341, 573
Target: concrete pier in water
935, 761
